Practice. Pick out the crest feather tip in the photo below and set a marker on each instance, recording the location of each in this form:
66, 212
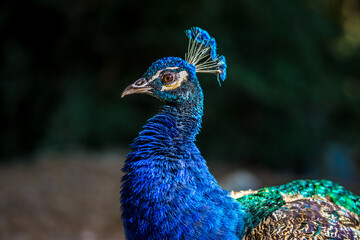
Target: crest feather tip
202, 53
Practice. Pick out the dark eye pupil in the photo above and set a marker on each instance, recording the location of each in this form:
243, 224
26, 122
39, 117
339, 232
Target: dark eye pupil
168, 78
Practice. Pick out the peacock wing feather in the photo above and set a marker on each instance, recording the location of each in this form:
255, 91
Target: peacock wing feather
302, 209
308, 218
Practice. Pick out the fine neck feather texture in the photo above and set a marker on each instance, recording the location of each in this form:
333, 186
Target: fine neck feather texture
168, 191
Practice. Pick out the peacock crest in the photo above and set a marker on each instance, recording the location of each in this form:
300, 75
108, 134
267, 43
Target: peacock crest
202, 53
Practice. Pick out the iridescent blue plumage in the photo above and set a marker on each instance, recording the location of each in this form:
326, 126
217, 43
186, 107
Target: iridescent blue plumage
222, 67
203, 37
168, 192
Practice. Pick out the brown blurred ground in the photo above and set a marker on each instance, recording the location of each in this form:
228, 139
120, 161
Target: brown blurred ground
62, 197
76, 196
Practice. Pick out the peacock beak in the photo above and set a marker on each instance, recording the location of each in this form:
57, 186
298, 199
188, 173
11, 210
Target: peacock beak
139, 86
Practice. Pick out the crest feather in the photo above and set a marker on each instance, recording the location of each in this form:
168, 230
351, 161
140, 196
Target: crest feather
202, 53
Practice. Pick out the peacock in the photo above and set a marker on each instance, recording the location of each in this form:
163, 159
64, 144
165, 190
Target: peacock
168, 192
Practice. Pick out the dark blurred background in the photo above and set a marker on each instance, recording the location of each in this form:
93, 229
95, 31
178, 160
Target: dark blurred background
290, 104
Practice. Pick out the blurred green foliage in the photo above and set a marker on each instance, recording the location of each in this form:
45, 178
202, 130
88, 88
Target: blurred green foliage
293, 86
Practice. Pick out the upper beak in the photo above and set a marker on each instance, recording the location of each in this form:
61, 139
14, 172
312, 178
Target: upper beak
139, 86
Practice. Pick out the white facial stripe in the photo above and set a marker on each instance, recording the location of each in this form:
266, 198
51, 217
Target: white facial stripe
182, 77
155, 76
158, 73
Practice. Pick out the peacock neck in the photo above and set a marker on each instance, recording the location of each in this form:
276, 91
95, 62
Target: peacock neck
168, 191
188, 118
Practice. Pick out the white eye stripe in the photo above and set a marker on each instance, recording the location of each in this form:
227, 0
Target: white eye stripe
182, 77
157, 74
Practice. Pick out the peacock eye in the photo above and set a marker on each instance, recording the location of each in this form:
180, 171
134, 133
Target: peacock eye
168, 78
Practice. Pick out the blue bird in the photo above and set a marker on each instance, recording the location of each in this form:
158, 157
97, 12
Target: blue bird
168, 192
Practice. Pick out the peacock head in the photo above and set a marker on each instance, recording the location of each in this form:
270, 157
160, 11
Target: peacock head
173, 79
170, 79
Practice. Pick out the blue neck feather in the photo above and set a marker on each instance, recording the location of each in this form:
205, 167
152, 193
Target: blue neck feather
168, 191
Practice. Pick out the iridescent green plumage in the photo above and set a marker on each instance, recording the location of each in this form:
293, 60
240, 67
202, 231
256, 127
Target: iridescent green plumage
304, 209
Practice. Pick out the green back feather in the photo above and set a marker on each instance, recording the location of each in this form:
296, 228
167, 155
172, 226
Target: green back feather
265, 201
